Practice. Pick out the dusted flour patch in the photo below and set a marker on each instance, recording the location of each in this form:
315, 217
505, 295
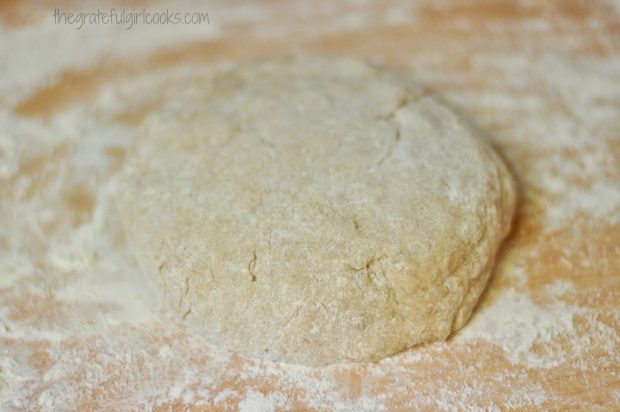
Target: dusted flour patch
315, 210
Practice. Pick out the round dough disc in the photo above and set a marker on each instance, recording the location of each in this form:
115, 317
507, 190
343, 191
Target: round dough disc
315, 210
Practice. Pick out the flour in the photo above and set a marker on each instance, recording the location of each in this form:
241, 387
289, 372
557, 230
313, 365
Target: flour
80, 325
515, 324
256, 401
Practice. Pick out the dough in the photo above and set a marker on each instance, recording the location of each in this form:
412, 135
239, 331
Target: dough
315, 210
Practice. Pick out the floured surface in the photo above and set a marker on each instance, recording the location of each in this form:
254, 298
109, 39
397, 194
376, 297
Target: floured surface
80, 327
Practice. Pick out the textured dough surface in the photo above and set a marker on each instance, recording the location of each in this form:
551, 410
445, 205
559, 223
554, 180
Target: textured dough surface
315, 210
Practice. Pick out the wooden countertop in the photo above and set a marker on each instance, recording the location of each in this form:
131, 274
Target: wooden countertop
541, 78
